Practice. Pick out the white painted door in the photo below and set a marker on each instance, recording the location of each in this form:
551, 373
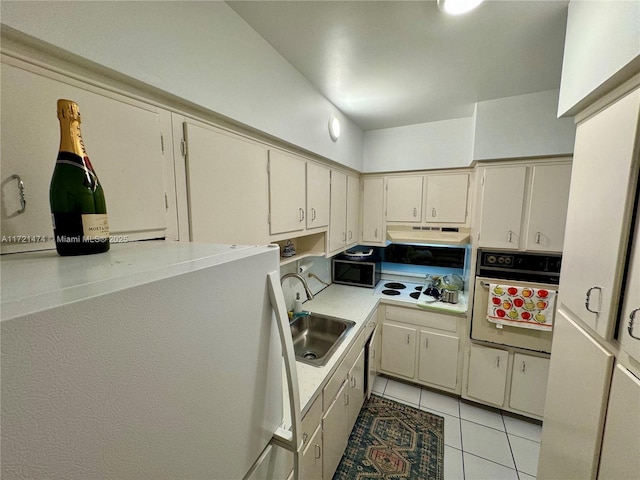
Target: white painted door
575, 406
353, 209
548, 199
334, 432
438, 359
356, 389
398, 350
603, 180
501, 210
287, 190
311, 461
487, 378
620, 456
373, 360
446, 198
373, 211
337, 226
228, 188
529, 383
404, 199
318, 191
629, 333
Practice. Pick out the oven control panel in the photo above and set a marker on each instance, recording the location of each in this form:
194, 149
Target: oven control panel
519, 265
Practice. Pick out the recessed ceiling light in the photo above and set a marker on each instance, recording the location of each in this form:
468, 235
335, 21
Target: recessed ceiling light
334, 128
457, 7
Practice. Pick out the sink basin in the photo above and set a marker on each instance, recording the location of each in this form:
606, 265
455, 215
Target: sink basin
315, 337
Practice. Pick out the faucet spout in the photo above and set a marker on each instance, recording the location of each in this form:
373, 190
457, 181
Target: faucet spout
307, 290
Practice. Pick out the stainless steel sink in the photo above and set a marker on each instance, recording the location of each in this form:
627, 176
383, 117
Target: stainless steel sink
315, 337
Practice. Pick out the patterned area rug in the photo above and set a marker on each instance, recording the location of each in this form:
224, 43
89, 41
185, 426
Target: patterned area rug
393, 441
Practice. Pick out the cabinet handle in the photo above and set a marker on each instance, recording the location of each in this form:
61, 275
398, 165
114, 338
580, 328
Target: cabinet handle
510, 236
301, 214
23, 201
497, 362
305, 437
426, 342
523, 367
632, 318
415, 212
376, 234
313, 213
318, 451
373, 353
346, 399
352, 382
433, 212
350, 235
538, 237
587, 302
408, 339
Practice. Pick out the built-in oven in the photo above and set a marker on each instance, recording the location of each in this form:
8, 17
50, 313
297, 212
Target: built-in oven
521, 272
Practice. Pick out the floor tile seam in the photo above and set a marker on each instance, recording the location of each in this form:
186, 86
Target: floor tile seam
446, 413
489, 460
524, 438
437, 412
482, 425
403, 401
513, 457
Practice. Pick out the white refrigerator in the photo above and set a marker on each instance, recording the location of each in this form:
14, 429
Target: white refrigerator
155, 360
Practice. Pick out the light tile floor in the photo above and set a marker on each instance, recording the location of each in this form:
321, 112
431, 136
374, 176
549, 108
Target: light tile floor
481, 443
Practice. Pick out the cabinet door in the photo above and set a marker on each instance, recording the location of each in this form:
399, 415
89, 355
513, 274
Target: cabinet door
337, 227
501, 211
438, 361
353, 209
318, 187
373, 211
487, 374
286, 192
620, 456
356, 389
629, 333
373, 360
603, 180
577, 391
529, 383
446, 198
398, 350
311, 461
404, 199
334, 432
227, 187
123, 138
548, 200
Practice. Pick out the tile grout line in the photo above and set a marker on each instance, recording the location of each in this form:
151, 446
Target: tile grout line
510, 447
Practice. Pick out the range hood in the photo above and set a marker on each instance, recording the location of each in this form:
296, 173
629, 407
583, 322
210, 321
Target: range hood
429, 235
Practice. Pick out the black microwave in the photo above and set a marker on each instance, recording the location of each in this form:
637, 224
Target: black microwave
359, 271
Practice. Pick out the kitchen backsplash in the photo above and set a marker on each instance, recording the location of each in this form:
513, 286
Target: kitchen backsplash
318, 266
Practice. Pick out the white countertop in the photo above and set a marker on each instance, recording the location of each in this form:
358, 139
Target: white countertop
355, 304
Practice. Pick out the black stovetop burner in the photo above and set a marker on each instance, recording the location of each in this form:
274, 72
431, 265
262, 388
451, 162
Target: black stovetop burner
395, 286
390, 292
416, 294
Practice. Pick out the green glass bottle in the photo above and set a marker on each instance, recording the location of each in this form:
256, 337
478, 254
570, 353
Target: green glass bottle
78, 207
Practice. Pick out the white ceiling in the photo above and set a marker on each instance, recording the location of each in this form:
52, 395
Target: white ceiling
392, 63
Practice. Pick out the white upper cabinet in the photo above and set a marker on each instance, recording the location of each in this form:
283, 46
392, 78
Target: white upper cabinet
501, 211
124, 140
629, 334
318, 186
287, 192
603, 182
373, 223
353, 209
337, 227
524, 207
446, 198
404, 199
228, 187
548, 199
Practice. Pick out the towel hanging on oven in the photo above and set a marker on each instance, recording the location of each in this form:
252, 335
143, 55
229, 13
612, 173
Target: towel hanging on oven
524, 307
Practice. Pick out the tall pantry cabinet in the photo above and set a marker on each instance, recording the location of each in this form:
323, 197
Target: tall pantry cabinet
599, 276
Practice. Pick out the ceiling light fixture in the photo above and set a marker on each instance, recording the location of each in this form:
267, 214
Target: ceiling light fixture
457, 7
334, 128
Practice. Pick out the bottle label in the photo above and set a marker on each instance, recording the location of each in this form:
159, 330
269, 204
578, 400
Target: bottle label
95, 227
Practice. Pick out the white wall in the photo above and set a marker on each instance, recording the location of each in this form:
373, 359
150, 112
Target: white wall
522, 126
602, 49
202, 52
444, 144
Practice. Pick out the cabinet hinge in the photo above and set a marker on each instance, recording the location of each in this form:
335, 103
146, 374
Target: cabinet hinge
183, 148
269, 165
162, 143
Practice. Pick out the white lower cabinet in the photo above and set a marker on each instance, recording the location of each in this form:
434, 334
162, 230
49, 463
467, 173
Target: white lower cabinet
421, 346
487, 374
311, 462
441, 351
506, 379
356, 389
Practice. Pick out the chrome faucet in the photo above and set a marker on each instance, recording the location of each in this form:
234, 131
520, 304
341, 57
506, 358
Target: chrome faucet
304, 283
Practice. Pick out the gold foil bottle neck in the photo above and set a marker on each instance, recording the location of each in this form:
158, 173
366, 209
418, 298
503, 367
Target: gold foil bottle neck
68, 110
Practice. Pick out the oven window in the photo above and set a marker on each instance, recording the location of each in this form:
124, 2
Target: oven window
431, 256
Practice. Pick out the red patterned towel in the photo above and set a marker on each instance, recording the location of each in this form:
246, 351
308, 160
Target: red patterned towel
521, 306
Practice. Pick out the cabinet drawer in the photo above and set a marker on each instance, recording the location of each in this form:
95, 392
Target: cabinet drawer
448, 323
340, 375
311, 420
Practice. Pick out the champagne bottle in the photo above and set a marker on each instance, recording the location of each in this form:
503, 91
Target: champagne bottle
78, 207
